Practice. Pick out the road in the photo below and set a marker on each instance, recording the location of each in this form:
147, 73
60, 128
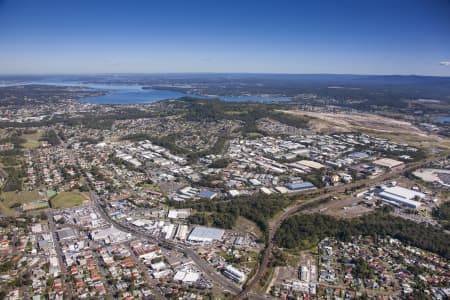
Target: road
210, 273
143, 269
246, 292
60, 255
205, 267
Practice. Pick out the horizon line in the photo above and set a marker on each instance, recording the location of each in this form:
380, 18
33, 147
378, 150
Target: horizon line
217, 73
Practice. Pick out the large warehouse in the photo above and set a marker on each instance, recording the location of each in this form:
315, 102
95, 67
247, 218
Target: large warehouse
300, 186
201, 234
400, 196
388, 163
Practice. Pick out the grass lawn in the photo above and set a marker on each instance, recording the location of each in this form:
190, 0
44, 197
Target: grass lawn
68, 199
253, 135
10, 200
51, 193
32, 139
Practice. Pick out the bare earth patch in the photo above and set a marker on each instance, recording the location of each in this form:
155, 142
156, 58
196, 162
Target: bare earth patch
350, 121
347, 207
395, 130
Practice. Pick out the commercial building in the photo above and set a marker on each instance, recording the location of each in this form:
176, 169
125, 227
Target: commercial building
66, 234
203, 234
186, 276
109, 235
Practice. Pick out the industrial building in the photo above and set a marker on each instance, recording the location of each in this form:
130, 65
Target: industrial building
311, 164
300, 186
179, 213
207, 194
388, 163
182, 231
234, 274
400, 196
203, 234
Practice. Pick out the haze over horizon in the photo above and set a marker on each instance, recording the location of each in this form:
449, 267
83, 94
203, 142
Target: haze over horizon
349, 37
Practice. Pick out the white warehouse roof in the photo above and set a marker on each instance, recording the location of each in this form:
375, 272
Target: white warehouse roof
401, 196
205, 234
403, 192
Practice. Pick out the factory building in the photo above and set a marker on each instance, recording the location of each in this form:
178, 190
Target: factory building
207, 194
400, 196
300, 186
388, 163
234, 274
201, 234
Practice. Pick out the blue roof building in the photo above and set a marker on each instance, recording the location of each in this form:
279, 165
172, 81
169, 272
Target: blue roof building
207, 194
300, 186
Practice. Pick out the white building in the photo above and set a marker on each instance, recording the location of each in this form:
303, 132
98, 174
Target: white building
182, 231
234, 274
203, 234
401, 196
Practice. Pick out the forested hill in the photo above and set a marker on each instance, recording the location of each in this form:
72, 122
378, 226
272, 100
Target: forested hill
305, 231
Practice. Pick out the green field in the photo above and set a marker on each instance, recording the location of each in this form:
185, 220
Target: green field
12, 200
32, 140
51, 193
68, 199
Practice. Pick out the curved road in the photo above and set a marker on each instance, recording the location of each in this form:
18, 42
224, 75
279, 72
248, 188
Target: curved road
296, 207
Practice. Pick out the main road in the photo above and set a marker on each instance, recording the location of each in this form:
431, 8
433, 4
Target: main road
223, 283
275, 224
64, 275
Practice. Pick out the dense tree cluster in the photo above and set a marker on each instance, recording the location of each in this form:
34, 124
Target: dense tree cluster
220, 220
362, 269
305, 231
13, 183
219, 163
167, 141
51, 137
248, 113
15, 138
259, 209
442, 213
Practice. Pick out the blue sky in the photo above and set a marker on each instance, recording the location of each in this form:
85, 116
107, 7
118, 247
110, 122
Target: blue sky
335, 36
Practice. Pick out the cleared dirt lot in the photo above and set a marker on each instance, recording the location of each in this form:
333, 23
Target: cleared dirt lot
324, 122
430, 175
389, 128
347, 207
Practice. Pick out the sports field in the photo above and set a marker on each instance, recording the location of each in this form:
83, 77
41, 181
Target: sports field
9, 201
68, 199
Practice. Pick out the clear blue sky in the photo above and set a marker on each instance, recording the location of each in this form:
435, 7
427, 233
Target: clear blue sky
318, 36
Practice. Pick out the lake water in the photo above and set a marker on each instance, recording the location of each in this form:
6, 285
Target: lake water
128, 95
135, 94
